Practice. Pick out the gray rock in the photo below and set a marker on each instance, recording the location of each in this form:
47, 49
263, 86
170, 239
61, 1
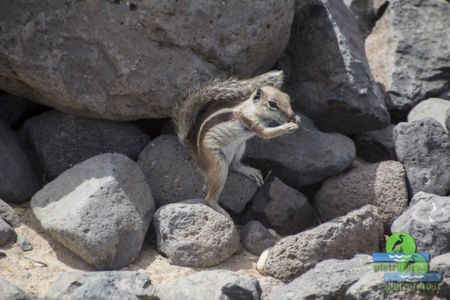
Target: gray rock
282, 208
376, 145
441, 264
115, 285
329, 78
23, 243
8, 214
298, 158
427, 221
194, 235
14, 109
256, 238
411, 74
328, 280
382, 185
9, 291
75, 139
447, 120
364, 12
268, 284
212, 285
373, 287
431, 108
173, 176
358, 232
423, 147
141, 56
18, 176
7, 234
100, 209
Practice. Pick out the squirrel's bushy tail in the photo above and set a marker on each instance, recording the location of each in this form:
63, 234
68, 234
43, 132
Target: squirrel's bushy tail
197, 97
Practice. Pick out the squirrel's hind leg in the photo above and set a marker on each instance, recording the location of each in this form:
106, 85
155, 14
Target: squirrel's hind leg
237, 166
215, 172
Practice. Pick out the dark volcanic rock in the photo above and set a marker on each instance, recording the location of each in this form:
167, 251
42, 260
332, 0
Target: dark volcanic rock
329, 77
304, 157
100, 209
382, 185
212, 285
18, 176
360, 231
256, 238
423, 146
428, 221
282, 208
14, 109
115, 285
376, 145
7, 234
409, 52
61, 141
8, 214
364, 12
431, 108
173, 176
194, 234
141, 55
328, 280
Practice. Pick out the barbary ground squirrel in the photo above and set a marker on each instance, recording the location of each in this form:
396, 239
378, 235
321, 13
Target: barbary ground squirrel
216, 118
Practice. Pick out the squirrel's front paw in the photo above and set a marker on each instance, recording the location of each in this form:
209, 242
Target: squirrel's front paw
298, 119
290, 127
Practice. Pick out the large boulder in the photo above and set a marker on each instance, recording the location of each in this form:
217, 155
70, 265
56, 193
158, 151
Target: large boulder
376, 145
195, 235
427, 221
212, 285
409, 52
304, 157
329, 77
281, 207
431, 108
174, 176
61, 141
256, 238
328, 280
100, 209
382, 185
423, 146
141, 55
360, 231
19, 179
115, 285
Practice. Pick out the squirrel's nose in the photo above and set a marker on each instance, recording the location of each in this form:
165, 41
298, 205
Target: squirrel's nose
291, 117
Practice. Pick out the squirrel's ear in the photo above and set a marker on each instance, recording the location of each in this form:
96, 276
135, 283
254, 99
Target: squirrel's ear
257, 95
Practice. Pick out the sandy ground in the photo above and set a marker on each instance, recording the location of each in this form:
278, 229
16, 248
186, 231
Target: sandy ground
34, 271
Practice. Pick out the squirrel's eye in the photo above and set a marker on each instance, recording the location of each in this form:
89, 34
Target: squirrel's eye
273, 104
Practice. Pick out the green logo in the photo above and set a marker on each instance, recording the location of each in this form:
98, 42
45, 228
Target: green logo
409, 260
401, 242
